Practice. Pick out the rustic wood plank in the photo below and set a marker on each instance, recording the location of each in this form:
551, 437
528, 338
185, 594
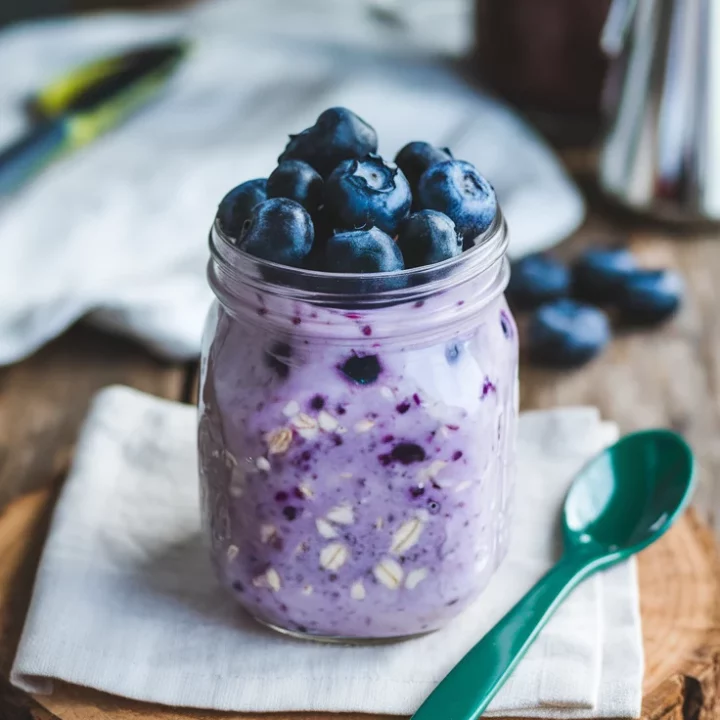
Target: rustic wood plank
23, 526
43, 401
17, 705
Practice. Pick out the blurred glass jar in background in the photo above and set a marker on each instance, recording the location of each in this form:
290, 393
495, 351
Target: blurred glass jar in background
544, 56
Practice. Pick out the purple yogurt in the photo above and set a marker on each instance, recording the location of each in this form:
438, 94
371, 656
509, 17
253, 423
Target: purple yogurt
356, 464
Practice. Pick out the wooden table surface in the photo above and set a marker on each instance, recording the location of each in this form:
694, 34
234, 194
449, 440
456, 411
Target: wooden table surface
669, 377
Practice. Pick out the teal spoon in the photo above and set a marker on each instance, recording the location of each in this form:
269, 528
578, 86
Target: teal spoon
619, 503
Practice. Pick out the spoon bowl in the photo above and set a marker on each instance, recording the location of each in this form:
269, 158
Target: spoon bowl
621, 501
628, 495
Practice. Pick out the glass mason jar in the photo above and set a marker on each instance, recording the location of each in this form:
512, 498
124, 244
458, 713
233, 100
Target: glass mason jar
356, 439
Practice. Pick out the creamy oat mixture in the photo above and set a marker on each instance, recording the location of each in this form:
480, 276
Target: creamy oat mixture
360, 488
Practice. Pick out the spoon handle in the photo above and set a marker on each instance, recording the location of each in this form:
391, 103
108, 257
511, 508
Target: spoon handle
467, 690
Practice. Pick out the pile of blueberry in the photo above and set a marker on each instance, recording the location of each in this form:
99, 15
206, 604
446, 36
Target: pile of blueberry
569, 324
333, 204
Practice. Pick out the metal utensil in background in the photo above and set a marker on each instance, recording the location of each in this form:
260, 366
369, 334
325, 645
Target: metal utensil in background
75, 109
661, 152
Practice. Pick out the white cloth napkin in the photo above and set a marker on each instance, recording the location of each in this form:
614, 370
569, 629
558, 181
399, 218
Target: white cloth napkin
125, 600
119, 230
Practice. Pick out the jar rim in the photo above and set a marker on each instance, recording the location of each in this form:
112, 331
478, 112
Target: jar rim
229, 265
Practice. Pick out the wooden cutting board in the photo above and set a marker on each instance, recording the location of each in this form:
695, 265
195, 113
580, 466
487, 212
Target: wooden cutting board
680, 599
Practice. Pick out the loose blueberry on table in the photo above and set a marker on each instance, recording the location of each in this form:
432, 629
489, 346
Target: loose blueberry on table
357, 484
565, 334
648, 297
598, 273
537, 279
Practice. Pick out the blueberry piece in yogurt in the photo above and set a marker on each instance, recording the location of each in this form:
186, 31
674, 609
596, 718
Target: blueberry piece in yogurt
566, 334
537, 279
428, 237
406, 453
362, 369
290, 512
416, 157
366, 193
337, 135
237, 206
456, 188
648, 297
506, 325
296, 180
452, 352
599, 272
277, 358
433, 506
280, 230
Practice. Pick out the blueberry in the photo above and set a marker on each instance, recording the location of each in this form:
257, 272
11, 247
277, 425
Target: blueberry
507, 325
337, 135
280, 230
405, 453
408, 453
433, 506
598, 273
416, 157
647, 297
236, 207
452, 352
278, 358
362, 369
369, 192
457, 189
315, 259
488, 387
296, 180
363, 251
537, 279
566, 333
428, 237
